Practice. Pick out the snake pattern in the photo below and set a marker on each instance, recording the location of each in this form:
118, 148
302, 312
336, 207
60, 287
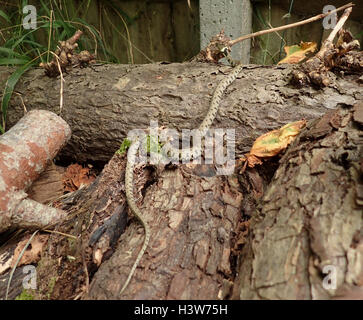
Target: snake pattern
175, 154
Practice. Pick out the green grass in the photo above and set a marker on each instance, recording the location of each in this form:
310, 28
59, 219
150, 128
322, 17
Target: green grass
57, 20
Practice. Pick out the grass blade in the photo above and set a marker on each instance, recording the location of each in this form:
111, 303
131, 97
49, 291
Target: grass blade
5, 16
9, 61
8, 52
8, 91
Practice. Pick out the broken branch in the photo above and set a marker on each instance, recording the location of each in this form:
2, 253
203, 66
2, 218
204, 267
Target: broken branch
288, 26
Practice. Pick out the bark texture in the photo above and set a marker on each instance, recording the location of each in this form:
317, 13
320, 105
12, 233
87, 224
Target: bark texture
104, 103
310, 217
308, 227
192, 220
25, 151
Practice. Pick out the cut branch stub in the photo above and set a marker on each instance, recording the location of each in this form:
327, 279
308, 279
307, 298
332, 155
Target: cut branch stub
65, 57
213, 53
25, 151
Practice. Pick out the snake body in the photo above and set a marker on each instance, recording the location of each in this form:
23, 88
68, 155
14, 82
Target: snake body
175, 154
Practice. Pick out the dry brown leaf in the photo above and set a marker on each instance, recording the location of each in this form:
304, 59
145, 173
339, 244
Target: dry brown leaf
273, 142
297, 53
77, 177
33, 253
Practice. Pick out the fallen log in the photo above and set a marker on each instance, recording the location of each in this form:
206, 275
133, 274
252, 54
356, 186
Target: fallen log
25, 150
306, 238
104, 103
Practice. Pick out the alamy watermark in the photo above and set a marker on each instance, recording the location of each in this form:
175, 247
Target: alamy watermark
330, 281
161, 143
30, 280
330, 21
30, 17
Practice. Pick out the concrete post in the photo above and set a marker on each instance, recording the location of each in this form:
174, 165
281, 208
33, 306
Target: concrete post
234, 16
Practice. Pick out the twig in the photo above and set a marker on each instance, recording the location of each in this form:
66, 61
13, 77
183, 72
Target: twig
22, 102
61, 85
50, 33
85, 268
328, 42
128, 38
288, 26
339, 25
57, 59
315, 70
135, 47
61, 233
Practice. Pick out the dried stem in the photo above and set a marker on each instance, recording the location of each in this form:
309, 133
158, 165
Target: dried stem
288, 26
339, 25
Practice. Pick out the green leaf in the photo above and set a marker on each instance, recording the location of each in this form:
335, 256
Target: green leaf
25, 295
45, 8
153, 144
21, 39
33, 43
68, 28
55, 25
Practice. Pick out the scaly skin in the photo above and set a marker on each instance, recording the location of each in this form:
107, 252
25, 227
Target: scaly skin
174, 154
129, 187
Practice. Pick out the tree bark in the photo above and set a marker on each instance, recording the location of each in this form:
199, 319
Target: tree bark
104, 103
192, 220
308, 228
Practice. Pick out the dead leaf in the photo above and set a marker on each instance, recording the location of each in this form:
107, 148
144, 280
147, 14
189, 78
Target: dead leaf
33, 253
273, 142
77, 177
297, 53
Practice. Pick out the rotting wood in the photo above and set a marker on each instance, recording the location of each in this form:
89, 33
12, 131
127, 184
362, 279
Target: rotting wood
342, 56
192, 221
49, 185
64, 57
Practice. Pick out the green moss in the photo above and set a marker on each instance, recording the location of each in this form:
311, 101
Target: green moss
124, 146
152, 145
25, 295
